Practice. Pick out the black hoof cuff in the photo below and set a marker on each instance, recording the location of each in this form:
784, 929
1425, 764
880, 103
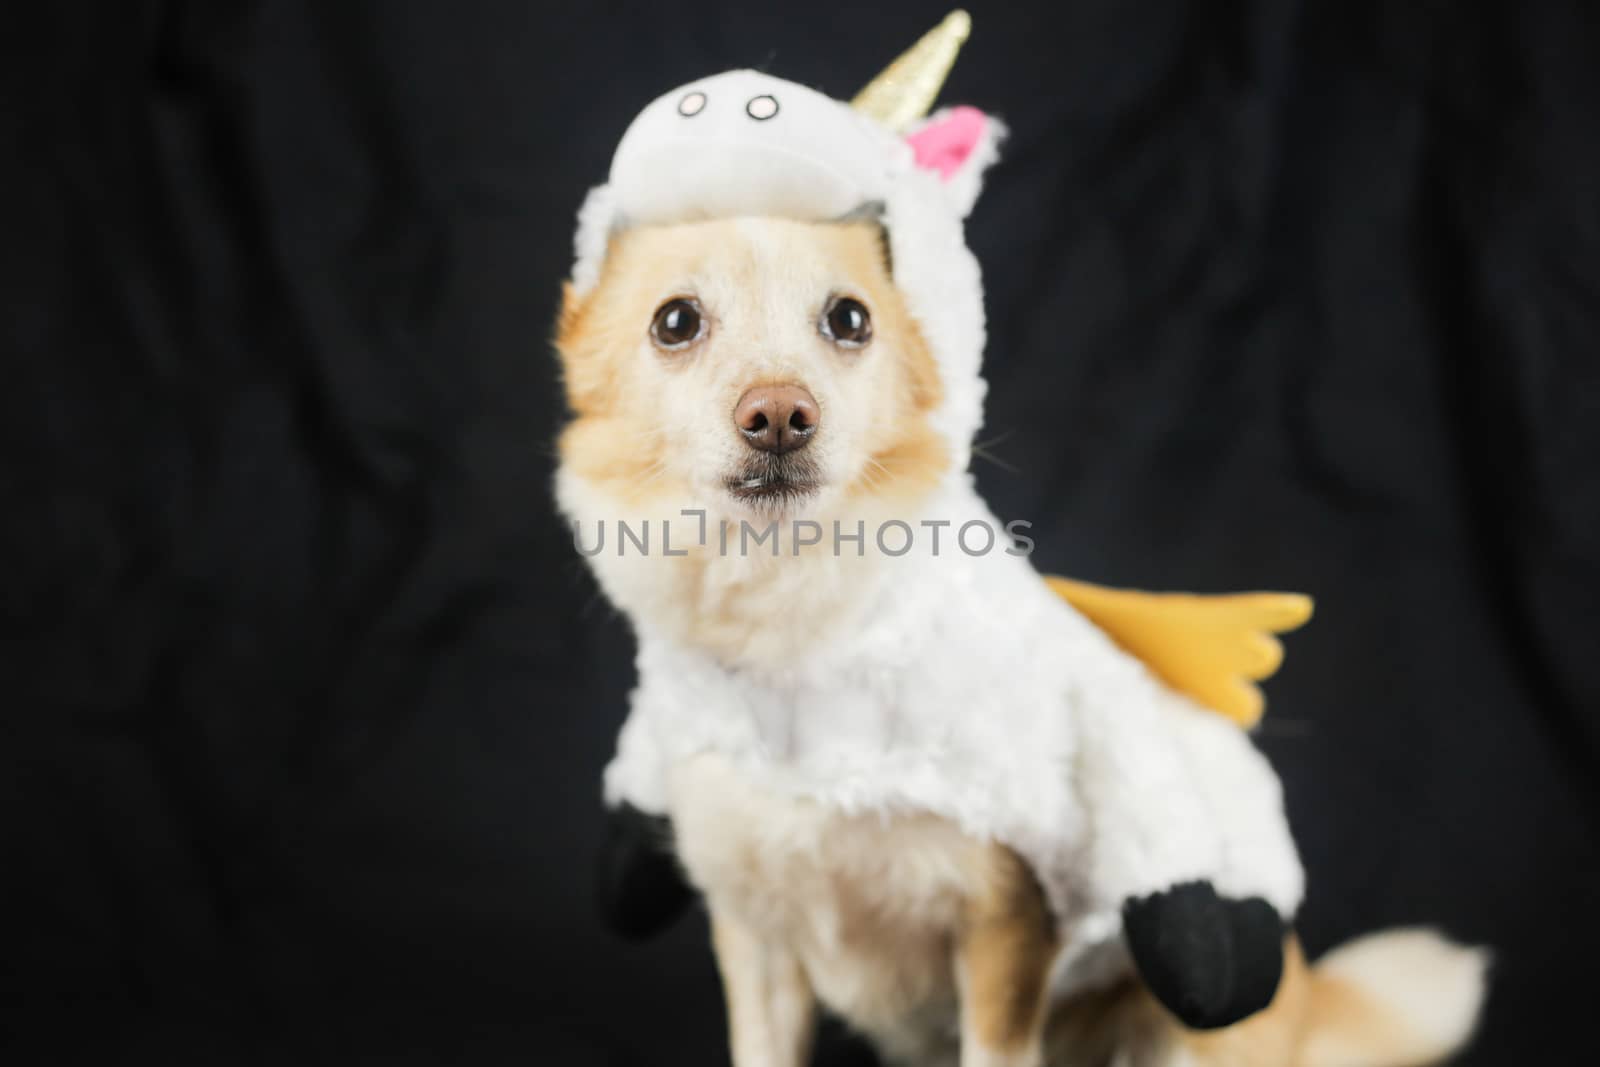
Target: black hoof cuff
1209, 960
639, 886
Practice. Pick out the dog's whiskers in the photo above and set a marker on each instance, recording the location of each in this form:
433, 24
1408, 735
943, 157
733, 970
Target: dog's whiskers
652, 473
983, 453
875, 474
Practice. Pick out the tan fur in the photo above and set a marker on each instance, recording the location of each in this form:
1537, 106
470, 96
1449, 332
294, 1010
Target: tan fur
1270, 1038
1403, 998
911, 464
1005, 947
1339, 1007
1317, 1019
1125, 1026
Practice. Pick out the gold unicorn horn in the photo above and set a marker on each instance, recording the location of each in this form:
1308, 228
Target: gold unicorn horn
905, 91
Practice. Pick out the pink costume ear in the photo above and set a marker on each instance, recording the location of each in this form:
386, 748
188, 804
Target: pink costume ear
945, 145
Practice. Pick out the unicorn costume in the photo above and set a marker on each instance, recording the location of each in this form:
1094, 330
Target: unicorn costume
966, 687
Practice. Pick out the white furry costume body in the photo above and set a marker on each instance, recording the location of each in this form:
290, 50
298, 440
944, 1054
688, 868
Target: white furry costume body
955, 684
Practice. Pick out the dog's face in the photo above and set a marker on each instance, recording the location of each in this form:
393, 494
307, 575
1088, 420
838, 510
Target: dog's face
758, 368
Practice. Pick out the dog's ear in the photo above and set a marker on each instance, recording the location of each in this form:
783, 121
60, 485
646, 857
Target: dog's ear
958, 144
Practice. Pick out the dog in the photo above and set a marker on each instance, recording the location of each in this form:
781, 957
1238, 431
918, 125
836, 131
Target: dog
764, 372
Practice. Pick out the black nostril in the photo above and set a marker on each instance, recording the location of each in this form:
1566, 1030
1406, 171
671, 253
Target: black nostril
799, 423
757, 424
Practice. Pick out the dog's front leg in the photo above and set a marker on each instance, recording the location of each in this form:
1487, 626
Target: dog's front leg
771, 1007
1004, 951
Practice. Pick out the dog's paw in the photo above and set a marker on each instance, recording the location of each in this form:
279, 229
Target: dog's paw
639, 886
1210, 960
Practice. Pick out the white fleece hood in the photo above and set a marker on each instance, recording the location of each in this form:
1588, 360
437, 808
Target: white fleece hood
744, 143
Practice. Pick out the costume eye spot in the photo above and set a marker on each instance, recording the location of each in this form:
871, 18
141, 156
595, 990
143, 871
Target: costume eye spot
692, 104
762, 108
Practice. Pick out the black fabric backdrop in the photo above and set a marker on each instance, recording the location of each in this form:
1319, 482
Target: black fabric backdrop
306, 695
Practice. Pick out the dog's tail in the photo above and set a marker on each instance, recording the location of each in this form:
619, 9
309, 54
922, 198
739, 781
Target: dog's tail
1401, 998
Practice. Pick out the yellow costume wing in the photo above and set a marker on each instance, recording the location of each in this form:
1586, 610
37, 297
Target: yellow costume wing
1211, 648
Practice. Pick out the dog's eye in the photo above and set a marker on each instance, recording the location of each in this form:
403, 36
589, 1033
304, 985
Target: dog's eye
678, 323
847, 323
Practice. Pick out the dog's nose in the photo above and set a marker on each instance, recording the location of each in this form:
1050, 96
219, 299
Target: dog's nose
777, 418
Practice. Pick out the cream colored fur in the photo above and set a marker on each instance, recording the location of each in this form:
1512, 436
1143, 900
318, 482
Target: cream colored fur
867, 902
